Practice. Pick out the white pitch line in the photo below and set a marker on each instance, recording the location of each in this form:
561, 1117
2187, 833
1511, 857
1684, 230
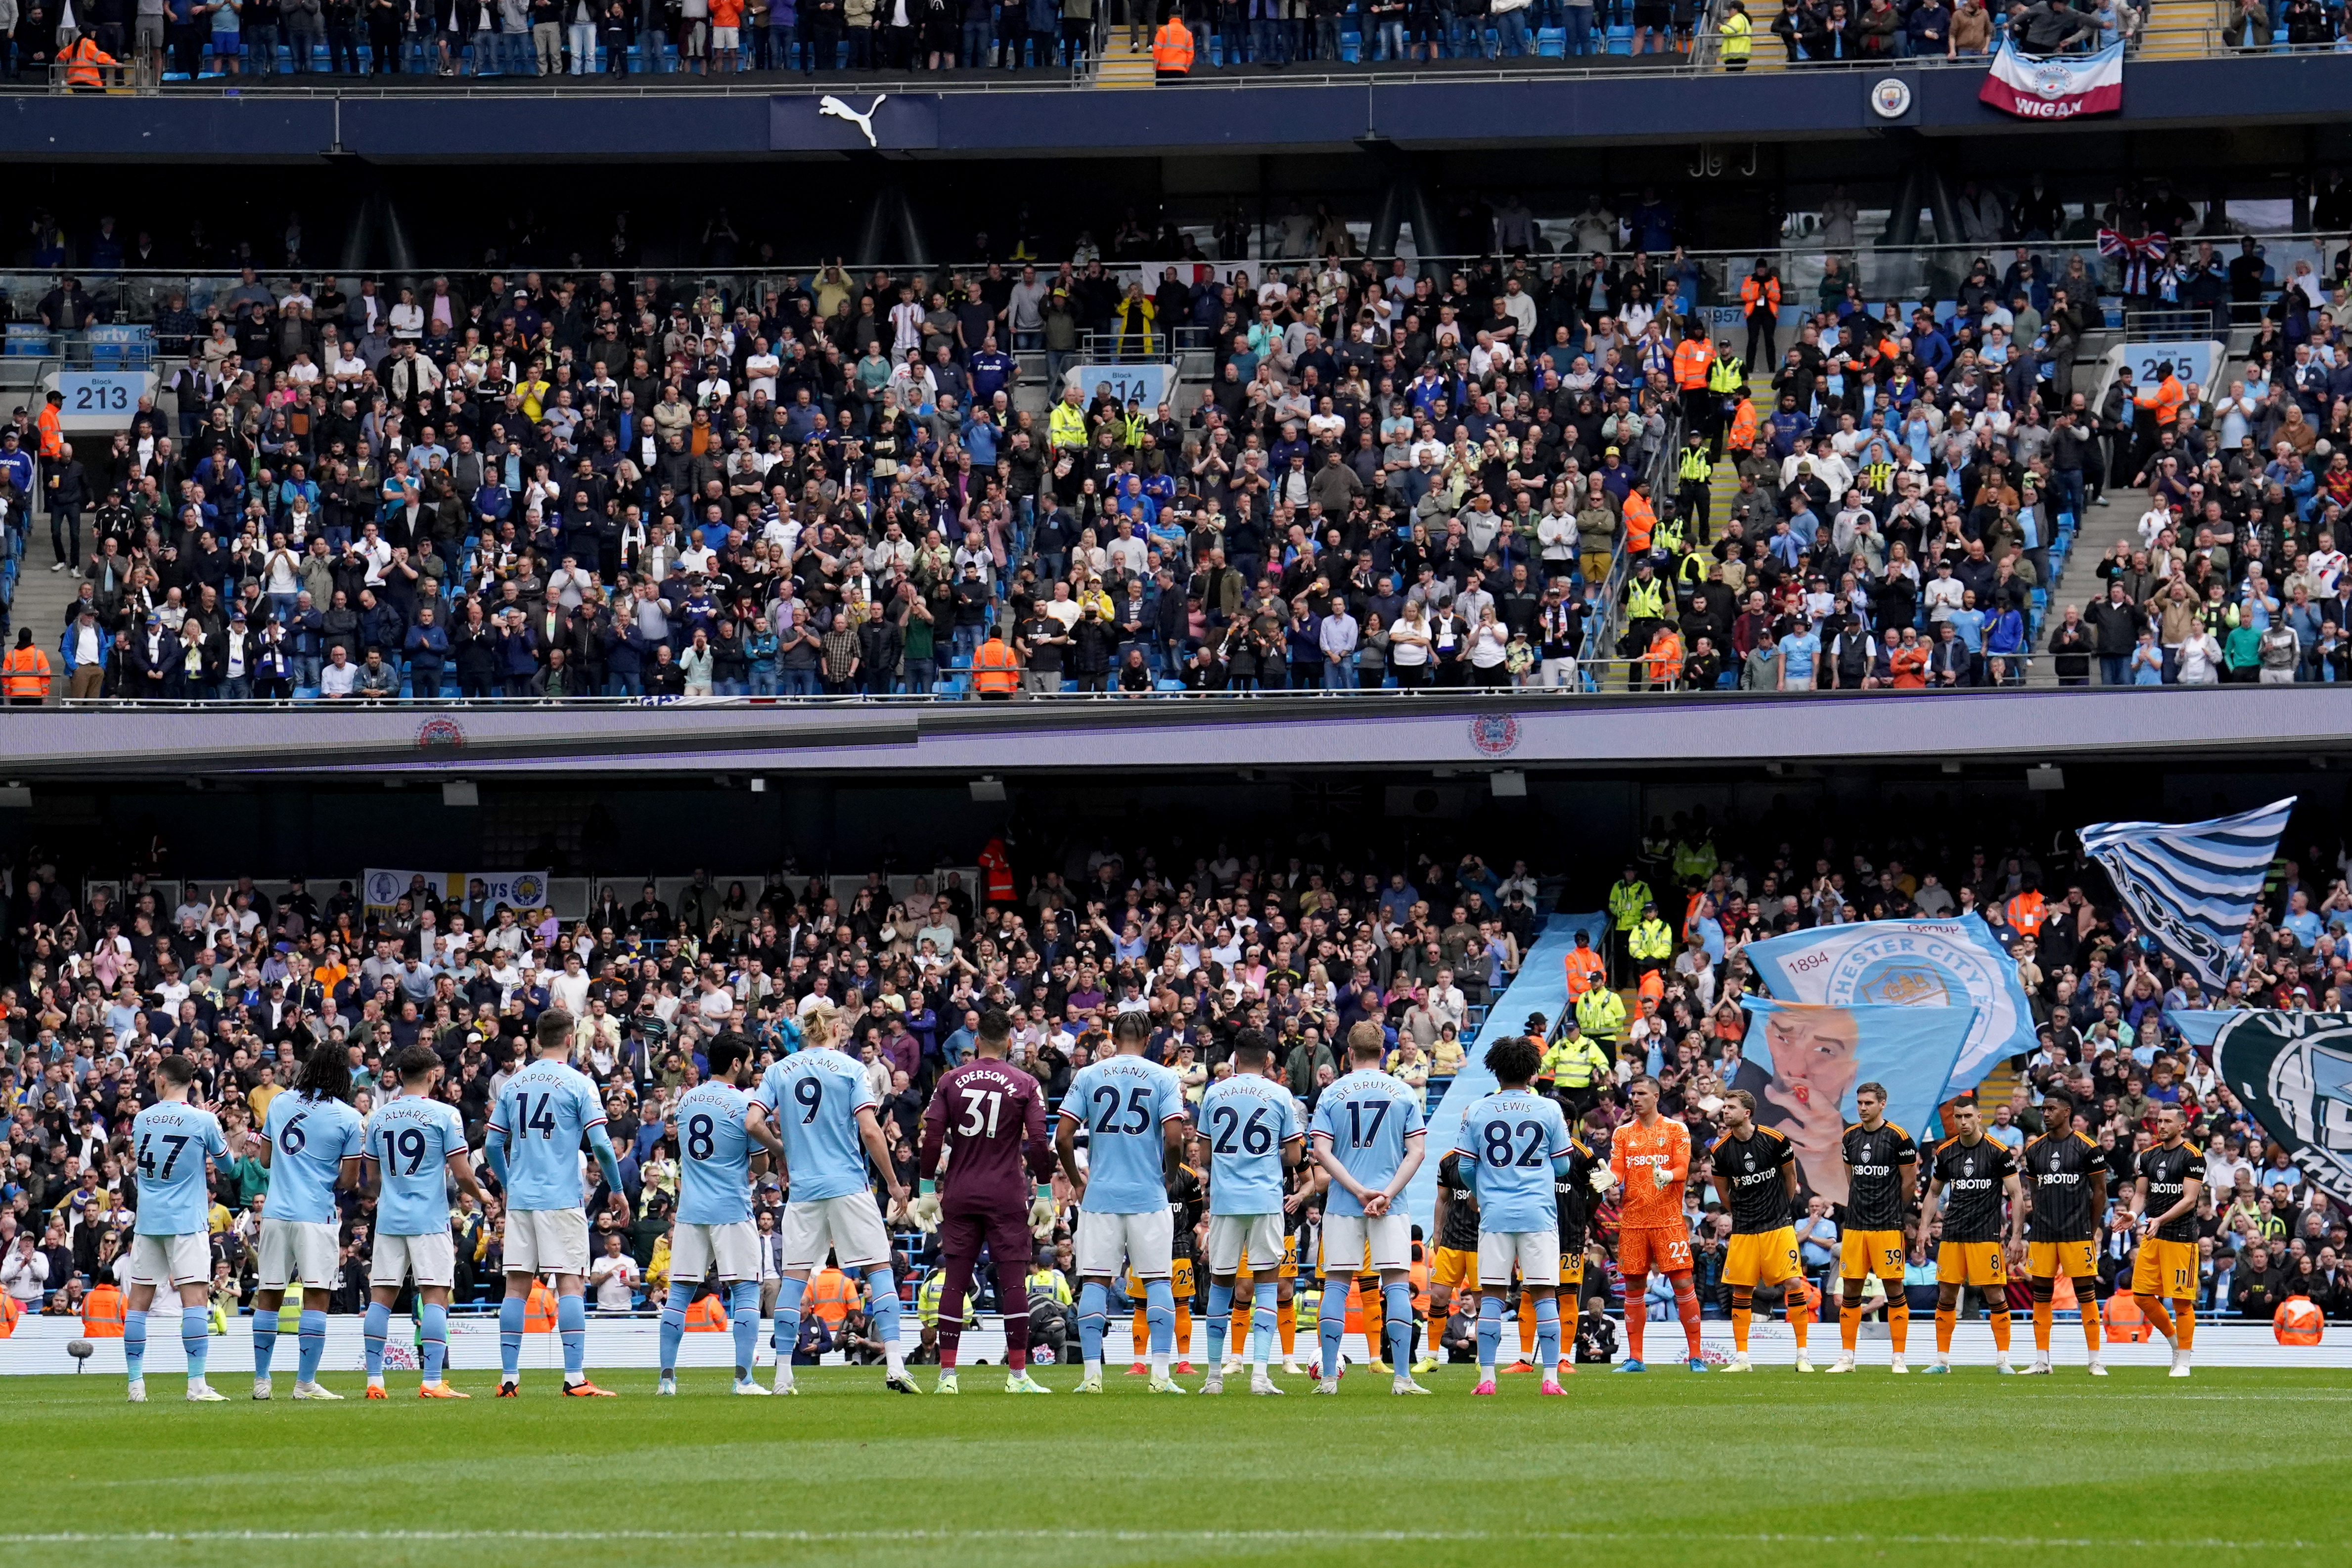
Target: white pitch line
1204, 1537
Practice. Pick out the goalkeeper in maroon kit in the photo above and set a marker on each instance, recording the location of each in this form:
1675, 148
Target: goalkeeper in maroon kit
985, 1122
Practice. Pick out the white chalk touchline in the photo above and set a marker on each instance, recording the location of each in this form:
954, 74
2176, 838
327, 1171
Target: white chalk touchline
1207, 1537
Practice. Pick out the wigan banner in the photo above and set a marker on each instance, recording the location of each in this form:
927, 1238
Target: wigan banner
1953, 963
1802, 1060
2055, 86
2294, 1072
2192, 885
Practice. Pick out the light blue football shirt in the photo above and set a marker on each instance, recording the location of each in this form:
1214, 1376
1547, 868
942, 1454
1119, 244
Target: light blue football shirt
813, 1097
309, 1142
411, 1139
170, 1140
543, 1112
1369, 1117
1514, 1135
1246, 1120
1124, 1103
714, 1184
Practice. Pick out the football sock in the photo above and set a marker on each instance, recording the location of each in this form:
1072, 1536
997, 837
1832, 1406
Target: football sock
672, 1324
950, 1338
1898, 1323
1569, 1307
956, 1297
265, 1340
1137, 1329
1490, 1334
1221, 1313
2000, 1329
571, 1325
1526, 1325
1241, 1312
1013, 1297
1686, 1309
1636, 1313
1262, 1318
1743, 1311
882, 1290
134, 1345
743, 1322
1286, 1325
510, 1321
1849, 1326
1944, 1316
378, 1324
1329, 1327
1159, 1313
1800, 1312
2041, 1316
2159, 1317
789, 1293
1400, 1325
2184, 1316
1547, 1335
196, 1332
1367, 1298
433, 1339
314, 1347
1093, 1306
1184, 1328
2087, 1292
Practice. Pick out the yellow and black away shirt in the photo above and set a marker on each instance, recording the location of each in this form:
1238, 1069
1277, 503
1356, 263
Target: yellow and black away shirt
2167, 1172
1184, 1202
2058, 1169
1749, 1169
1461, 1232
1570, 1189
1970, 1180
1875, 1159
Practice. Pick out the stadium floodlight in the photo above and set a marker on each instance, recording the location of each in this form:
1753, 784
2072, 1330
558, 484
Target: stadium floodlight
461, 792
988, 790
2045, 778
1510, 784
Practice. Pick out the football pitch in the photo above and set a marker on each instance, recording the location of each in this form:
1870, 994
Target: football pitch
1666, 1467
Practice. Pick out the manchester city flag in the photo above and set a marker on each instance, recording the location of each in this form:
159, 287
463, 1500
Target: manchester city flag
2294, 1072
2192, 885
1953, 963
1805, 1060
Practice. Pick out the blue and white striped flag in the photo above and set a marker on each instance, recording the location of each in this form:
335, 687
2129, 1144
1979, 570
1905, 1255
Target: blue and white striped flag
2192, 884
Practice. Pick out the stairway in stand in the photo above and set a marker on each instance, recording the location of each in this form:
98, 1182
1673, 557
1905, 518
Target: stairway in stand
1125, 65
2179, 29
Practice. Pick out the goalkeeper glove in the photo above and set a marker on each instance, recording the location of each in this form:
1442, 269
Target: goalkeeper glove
1664, 1177
1603, 1178
924, 1212
1043, 1211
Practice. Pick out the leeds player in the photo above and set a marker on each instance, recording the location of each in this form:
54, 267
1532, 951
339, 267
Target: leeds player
171, 1244
1366, 1134
1250, 1125
416, 1146
716, 1124
2068, 1179
1971, 1174
311, 1140
819, 1100
1882, 1166
536, 1128
1513, 1144
1133, 1112
2164, 1202
1652, 1155
1755, 1174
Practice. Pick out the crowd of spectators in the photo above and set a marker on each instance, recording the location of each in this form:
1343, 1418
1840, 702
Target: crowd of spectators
1288, 939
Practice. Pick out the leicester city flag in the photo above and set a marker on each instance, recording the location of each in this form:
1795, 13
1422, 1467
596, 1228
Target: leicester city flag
2192, 885
1803, 1061
1954, 963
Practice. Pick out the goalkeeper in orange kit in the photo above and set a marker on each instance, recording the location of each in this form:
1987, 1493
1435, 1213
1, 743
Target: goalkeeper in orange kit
1652, 1158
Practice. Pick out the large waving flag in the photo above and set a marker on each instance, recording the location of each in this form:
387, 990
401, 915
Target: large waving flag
2192, 884
1955, 963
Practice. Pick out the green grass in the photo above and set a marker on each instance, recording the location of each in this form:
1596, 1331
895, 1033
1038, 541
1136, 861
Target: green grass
1664, 1469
